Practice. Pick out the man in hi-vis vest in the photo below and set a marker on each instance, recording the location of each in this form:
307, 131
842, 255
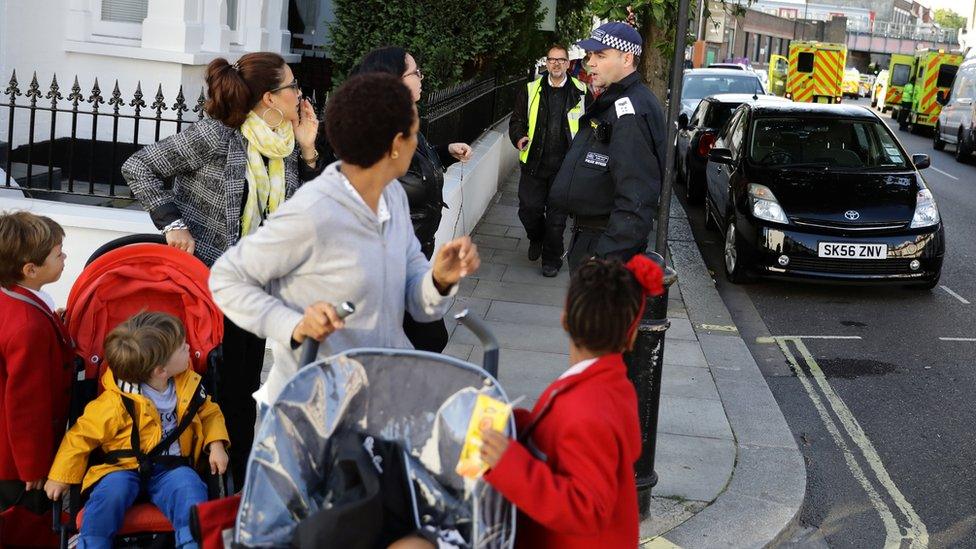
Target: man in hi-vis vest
545, 119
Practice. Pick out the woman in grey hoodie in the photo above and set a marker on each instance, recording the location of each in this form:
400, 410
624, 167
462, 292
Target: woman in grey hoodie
344, 236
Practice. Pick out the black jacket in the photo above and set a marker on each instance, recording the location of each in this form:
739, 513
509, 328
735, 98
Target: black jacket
518, 125
424, 184
614, 167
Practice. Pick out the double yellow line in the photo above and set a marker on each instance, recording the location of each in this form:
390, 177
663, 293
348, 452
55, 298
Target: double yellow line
910, 530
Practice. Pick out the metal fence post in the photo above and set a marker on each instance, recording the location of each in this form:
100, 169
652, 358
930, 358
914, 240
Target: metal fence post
644, 370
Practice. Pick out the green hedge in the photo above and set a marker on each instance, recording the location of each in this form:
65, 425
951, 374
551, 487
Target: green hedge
451, 40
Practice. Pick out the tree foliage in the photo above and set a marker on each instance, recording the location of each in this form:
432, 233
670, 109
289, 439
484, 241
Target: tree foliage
949, 19
451, 40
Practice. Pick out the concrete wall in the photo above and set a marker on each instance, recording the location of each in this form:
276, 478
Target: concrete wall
88, 227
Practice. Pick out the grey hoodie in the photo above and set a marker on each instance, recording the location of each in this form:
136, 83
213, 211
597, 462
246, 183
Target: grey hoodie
325, 244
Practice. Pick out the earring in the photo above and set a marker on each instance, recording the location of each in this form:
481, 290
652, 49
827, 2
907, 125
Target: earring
395, 154
281, 116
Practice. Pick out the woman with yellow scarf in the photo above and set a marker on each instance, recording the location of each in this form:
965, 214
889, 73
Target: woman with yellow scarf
228, 173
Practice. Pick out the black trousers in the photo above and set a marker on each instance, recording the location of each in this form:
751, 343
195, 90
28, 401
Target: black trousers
425, 336
903, 112
238, 376
541, 222
584, 243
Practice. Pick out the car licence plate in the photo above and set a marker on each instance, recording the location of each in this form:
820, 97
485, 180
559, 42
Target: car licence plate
844, 250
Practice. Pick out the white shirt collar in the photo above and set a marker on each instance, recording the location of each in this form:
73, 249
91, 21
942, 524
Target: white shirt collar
44, 296
382, 210
565, 79
578, 368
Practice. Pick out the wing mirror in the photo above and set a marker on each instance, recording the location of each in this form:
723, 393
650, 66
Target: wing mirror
682, 121
921, 161
720, 155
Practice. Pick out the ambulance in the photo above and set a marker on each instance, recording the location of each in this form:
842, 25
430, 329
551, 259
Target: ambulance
934, 71
816, 71
778, 67
851, 85
899, 73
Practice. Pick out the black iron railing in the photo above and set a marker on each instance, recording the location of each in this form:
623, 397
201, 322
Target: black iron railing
58, 147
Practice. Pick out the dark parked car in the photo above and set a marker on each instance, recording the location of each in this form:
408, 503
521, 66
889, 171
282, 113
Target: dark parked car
697, 134
700, 83
821, 192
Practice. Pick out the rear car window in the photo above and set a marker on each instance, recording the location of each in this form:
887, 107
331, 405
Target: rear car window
830, 143
804, 62
719, 115
947, 73
702, 85
900, 74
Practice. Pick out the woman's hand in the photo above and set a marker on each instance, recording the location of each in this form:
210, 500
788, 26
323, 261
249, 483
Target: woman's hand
55, 489
320, 320
218, 458
182, 239
34, 484
461, 151
454, 261
306, 129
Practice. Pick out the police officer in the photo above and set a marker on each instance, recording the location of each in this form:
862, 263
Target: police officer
544, 121
611, 177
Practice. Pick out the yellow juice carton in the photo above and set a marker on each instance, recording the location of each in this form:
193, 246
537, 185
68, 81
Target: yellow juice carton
487, 412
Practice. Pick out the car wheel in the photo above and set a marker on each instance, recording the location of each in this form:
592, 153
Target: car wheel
710, 223
735, 256
963, 148
937, 142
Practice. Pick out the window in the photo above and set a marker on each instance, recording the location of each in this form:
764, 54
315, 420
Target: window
804, 62
900, 74
719, 115
829, 143
698, 86
964, 85
734, 142
947, 73
119, 21
699, 114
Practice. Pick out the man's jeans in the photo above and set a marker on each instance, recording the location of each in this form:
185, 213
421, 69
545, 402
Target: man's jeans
173, 491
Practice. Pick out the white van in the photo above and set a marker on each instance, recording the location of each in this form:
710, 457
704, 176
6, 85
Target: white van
955, 124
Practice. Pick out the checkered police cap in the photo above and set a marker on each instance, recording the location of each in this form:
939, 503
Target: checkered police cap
614, 35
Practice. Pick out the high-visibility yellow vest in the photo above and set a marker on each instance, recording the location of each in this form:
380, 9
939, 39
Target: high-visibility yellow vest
573, 116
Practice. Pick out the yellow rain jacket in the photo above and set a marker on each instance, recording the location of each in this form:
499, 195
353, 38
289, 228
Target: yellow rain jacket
106, 425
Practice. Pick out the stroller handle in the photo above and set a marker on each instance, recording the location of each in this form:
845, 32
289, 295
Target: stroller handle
489, 344
310, 348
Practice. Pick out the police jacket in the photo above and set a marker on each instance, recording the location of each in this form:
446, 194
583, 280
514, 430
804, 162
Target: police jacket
424, 184
611, 176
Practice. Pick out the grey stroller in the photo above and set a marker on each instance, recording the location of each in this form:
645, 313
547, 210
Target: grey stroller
403, 413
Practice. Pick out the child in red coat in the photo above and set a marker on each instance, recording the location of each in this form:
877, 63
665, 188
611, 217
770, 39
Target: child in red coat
571, 472
35, 375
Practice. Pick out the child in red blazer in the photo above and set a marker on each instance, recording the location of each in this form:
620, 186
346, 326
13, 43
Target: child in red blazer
35, 375
571, 472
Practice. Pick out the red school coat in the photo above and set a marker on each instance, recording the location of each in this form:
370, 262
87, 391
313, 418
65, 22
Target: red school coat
573, 481
35, 385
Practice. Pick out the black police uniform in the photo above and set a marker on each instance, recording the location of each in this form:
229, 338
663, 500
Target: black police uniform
610, 180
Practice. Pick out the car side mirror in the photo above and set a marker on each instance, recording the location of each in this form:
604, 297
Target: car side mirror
682, 121
720, 155
921, 161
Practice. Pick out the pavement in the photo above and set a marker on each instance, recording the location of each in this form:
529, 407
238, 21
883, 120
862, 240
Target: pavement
730, 471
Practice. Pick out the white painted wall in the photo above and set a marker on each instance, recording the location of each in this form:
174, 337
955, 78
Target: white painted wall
88, 227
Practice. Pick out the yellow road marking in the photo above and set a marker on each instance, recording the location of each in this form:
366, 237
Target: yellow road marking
915, 532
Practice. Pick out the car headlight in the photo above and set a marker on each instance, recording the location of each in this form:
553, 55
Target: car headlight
926, 212
764, 204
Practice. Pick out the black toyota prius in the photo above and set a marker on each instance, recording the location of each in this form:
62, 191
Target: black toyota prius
821, 192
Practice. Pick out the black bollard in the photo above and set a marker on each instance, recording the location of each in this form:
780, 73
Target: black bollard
644, 370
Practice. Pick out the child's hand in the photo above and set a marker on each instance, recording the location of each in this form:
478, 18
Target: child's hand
55, 489
218, 458
493, 446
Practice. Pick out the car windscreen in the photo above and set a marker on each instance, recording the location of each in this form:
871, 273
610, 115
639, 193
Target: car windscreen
900, 74
719, 114
703, 85
828, 143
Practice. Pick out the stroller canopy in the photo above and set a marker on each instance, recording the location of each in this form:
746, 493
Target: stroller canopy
421, 401
142, 277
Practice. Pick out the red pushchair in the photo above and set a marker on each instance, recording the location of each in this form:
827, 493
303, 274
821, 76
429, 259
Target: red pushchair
124, 277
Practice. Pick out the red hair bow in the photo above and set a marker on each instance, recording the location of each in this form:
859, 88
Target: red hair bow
648, 273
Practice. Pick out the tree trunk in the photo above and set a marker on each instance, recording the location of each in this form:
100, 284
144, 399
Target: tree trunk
655, 67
